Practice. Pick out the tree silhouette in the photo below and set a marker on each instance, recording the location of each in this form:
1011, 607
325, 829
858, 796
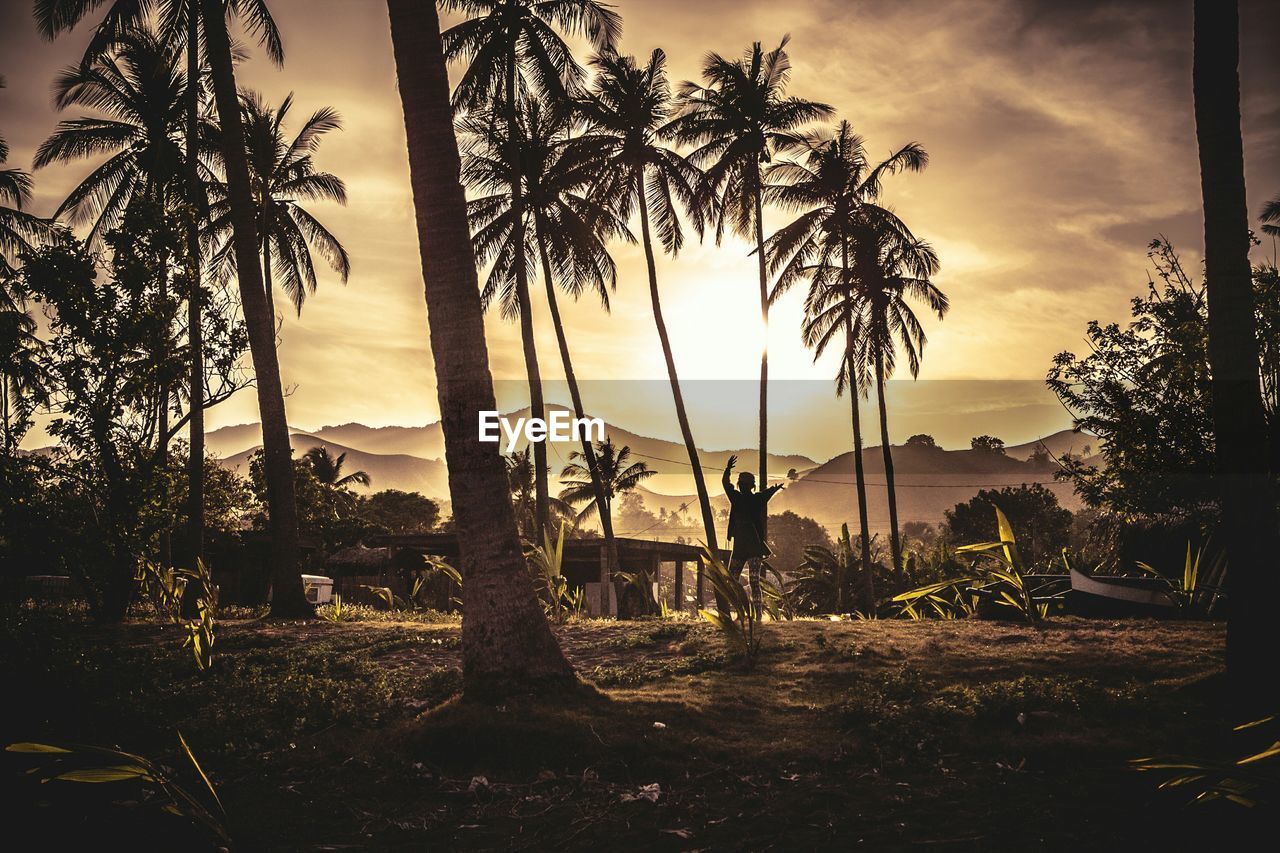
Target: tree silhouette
831, 182
618, 473
737, 120
284, 174
511, 49
570, 230
1240, 448
626, 110
507, 645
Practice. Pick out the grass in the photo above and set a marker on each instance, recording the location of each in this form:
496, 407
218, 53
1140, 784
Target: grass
948, 735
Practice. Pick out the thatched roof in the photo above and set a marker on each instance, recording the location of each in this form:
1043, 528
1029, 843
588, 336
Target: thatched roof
360, 560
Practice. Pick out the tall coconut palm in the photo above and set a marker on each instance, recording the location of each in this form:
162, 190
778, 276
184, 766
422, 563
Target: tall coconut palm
619, 474
55, 16
893, 269
288, 599
1247, 497
507, 645
569, 229
511, 48
284, 174
833, 183
626, 109
834, 310
137, 85
737, 120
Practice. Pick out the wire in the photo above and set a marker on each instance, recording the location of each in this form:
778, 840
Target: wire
897, 485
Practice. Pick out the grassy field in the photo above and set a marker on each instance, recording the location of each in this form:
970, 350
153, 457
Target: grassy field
883, 735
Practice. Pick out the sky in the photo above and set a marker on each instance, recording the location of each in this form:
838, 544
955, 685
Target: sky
1060, 136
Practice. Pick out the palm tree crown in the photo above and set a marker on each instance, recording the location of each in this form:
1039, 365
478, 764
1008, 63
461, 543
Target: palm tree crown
507, 38
618, 475
284, 174
737, 121
328, 469
626, 111
560, 216
138, 85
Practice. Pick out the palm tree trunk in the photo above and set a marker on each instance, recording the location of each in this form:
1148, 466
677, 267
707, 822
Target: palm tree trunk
700, 483
195, 331
860, 478
764, 349
267, 286
507, 645
612, 563
895, 546
162, 413
859, 473
537, 407
4, 408
288, 599
1247, 499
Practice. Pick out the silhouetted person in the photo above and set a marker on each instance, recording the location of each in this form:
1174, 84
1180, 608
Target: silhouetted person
747, 513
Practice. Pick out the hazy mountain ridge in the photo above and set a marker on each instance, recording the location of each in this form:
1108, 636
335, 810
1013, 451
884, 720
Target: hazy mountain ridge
930, 480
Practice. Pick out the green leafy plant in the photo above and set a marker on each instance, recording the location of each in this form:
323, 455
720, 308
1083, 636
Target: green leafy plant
826, 579
97, 765
996, 565
1198, 591
547, 559
741, 625
335, 612
642, 582
167, 588
434, 567
1248, 781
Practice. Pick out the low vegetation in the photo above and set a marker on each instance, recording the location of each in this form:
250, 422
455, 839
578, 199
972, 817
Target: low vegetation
890, 732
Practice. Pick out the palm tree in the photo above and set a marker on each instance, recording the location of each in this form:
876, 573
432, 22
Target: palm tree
507, 645
1248, 509
327, 469
521, 482
834, 309
619, 474
892, 267
1271, 214
570, 230
737, 121
182, 21
511, 48
137, 83
17, 227
284, 174
835, 186
625, 110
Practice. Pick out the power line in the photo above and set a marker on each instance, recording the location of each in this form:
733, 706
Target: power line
773, 476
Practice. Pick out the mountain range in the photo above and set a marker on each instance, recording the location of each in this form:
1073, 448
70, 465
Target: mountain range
930, 480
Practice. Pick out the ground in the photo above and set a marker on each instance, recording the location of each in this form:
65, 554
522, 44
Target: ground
965, 735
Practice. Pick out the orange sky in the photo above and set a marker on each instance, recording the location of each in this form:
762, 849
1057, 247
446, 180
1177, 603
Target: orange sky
1060, 136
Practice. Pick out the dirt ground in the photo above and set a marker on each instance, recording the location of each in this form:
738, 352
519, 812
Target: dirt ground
962, 735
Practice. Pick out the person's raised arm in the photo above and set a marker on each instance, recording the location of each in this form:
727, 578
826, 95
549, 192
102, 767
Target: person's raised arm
773, 490
724, 479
